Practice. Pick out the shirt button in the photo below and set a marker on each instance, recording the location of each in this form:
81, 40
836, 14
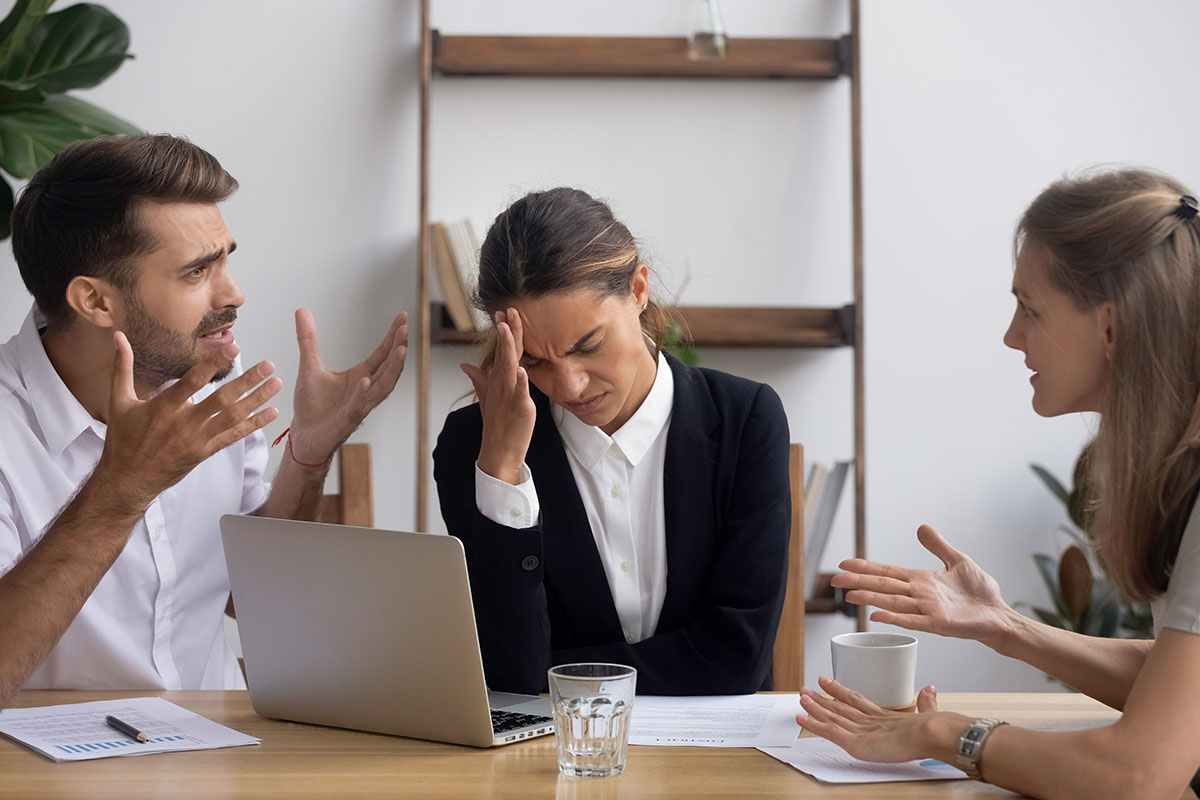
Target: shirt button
629, 638
162, 616
514, 512
529, 563
616, 491
624, 566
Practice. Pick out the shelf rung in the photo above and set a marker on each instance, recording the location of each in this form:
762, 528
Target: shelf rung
634, 57
715, 326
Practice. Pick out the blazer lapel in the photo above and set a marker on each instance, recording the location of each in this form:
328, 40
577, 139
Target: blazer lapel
571, 561
689, 483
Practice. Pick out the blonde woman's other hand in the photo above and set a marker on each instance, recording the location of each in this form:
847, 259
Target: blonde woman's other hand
868, 732
959, 600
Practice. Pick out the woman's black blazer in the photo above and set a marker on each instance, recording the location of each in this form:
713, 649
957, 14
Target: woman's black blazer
540, 594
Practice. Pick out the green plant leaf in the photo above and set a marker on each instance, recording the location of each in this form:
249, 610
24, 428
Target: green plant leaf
686, 356
1075, 533
30, 137
1081, 492
1103, 613
1052, 483
1108, 621
13, 95
6, 207
675, 342
1137, 620
1048, 568
1077, 509
1075, 581
1049, 617
75, 48
23, 18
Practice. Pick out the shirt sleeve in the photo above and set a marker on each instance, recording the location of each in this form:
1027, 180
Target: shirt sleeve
255, 488
505, 504
10, 541
1181, 603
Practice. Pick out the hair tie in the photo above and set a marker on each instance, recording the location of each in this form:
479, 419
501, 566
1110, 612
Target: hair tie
1188, 207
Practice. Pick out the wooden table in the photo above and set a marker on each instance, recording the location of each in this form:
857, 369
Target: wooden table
297, 760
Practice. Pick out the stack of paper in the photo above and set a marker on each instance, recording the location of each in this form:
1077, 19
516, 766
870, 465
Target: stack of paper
77, 732
744, 720
828, 763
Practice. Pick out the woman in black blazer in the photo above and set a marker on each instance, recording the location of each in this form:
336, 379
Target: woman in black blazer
660, 543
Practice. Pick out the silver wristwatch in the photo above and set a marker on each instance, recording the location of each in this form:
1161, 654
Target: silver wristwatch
970, 746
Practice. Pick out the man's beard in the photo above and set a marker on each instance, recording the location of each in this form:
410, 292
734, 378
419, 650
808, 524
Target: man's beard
161, 354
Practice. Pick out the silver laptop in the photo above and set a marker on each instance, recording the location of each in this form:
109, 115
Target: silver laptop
366, 629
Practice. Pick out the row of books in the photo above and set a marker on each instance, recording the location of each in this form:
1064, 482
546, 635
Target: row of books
822, 492
456, 266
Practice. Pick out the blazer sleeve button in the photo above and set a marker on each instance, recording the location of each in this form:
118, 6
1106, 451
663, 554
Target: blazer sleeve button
530, 563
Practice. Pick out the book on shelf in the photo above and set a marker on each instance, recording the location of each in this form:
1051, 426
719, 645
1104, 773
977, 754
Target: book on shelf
456, 265
822, 492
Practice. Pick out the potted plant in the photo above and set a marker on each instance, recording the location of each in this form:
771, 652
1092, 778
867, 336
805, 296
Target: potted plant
43, 56
1085, 599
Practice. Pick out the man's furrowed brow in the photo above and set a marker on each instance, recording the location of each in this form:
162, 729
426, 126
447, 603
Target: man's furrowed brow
208, 258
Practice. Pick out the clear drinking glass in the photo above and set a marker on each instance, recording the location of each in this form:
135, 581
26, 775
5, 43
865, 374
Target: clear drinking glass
592, 705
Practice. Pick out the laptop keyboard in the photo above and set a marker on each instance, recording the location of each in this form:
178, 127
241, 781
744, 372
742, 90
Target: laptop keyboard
503, 721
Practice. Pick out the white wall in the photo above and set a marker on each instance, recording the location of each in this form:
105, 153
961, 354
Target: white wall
969, 109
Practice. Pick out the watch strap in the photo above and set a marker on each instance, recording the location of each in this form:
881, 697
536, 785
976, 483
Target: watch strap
970, 746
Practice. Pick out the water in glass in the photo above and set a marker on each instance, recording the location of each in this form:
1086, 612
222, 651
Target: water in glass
592, 735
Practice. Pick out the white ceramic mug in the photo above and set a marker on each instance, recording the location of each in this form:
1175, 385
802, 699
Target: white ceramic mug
880, 666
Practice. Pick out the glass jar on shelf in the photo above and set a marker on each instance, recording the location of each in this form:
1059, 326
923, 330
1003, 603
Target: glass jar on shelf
706, 38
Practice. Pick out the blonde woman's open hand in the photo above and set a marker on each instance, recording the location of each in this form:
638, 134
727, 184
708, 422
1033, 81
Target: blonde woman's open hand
504, 401
959, 600
866, 731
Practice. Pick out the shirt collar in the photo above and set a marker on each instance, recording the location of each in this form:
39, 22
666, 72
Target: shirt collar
60, 416
589, 444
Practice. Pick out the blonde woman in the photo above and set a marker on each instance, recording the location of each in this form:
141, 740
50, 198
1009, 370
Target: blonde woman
615, 505
1107, 284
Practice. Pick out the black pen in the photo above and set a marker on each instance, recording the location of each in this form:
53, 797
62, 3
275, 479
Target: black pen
126, 728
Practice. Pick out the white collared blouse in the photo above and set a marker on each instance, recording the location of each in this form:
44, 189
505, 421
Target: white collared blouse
620, 480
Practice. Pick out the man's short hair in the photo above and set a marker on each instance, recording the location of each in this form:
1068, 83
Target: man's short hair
78, 215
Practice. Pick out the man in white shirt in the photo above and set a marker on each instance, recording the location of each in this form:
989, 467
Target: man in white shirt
128, 427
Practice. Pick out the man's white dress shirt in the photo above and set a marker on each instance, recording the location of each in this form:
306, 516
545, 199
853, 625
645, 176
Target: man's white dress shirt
155, 621
620, 479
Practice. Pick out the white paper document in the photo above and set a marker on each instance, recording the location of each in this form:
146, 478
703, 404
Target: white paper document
1069, 724
77, 732
828, 763
744, 720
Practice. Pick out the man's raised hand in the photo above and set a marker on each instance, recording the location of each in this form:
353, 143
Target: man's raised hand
152, 444
329, 405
